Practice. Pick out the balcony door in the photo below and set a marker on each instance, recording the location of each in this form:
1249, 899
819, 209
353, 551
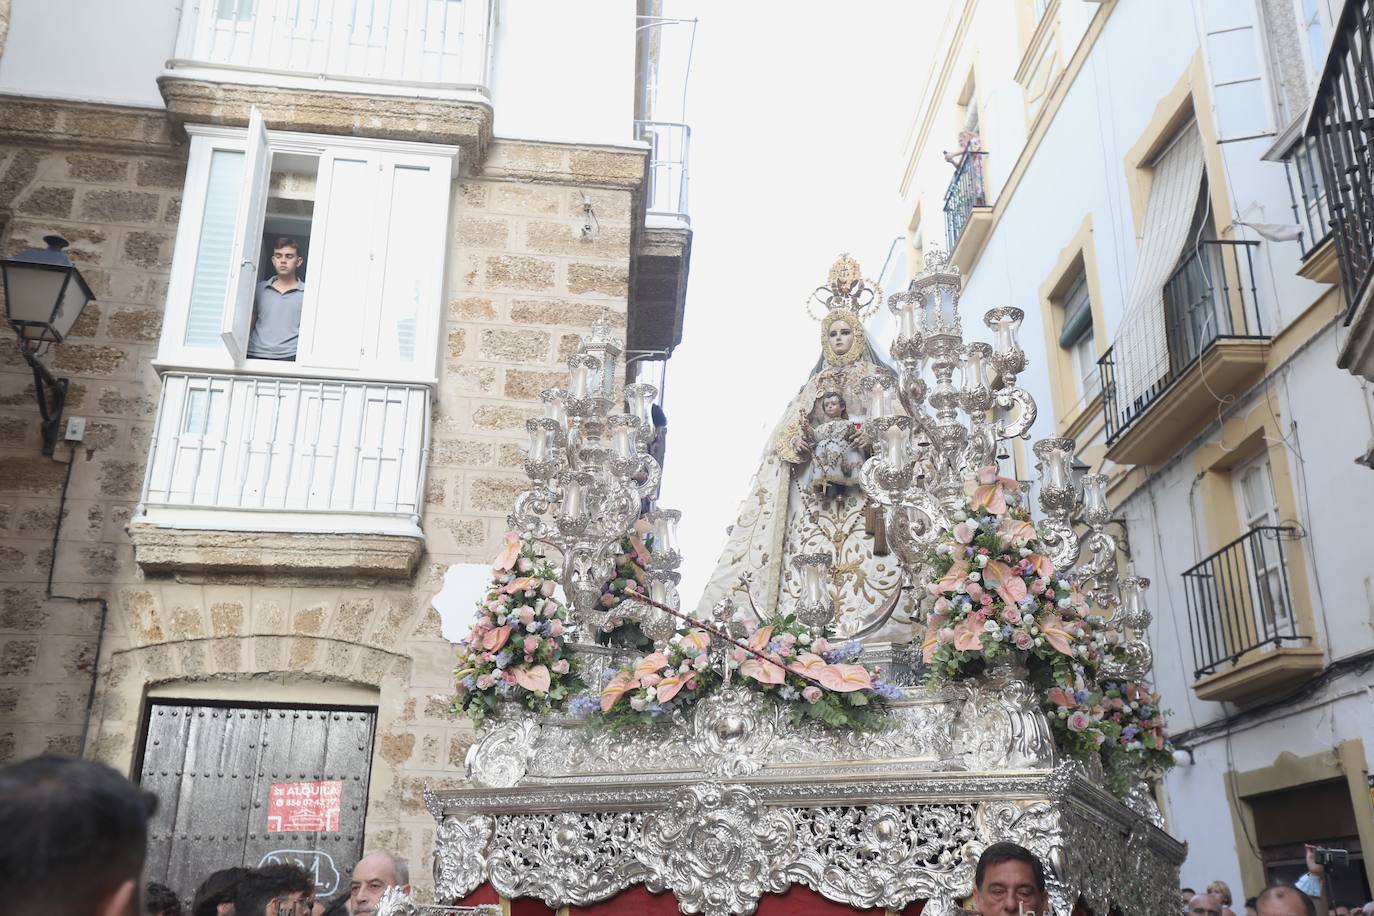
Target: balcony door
1192, 308
1258, 509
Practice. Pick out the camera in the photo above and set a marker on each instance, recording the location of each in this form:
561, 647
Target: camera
1328, 857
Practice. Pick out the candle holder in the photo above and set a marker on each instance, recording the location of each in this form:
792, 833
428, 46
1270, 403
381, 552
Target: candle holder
815, 607
591, 474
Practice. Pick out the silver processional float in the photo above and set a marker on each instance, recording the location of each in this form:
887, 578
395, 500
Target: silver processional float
801, 729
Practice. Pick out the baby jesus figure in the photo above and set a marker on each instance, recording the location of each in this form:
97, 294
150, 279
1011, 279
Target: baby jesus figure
836, 450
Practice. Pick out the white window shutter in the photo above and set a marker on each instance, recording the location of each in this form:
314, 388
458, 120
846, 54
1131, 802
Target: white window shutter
238, 307
1235, 62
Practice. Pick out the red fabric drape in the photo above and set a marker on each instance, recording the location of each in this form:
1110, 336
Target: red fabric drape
632, 901
521, 906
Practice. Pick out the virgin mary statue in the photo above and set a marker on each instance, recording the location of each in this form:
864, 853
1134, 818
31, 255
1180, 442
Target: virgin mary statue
805, 499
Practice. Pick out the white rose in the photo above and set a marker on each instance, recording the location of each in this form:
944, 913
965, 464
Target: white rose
981, 560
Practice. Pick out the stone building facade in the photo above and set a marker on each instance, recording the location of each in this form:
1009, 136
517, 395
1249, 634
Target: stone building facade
275, 618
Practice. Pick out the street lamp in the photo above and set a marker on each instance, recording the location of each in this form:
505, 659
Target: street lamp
44, 295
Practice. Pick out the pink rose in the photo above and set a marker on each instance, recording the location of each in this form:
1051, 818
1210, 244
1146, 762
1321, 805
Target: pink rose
963, 533
547, 588
1023, 640
1078, 721
820, 646
974, 590
485, 681
556, 628
560, 666
1011, 614
524, 564
811, 694
526, 614
531, 644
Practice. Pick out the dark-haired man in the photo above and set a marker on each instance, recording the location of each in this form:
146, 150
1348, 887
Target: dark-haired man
277, 305
1009, 881
274, 890
160, 900
215, 896
73, 836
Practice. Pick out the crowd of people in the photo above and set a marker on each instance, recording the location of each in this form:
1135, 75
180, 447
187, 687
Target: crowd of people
74, 837
1306, 897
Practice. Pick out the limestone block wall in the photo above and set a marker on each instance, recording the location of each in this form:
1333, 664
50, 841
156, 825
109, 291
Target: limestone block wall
522, 286
115, 196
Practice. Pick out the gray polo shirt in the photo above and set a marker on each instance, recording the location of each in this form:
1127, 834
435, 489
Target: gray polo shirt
276, 321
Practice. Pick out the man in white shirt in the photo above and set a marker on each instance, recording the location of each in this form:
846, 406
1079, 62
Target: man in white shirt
277, 305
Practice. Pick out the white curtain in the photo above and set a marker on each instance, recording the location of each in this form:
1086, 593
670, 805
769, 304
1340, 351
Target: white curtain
1141, 352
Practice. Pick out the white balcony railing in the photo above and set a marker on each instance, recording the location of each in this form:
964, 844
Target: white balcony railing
287, 454
440, 42
668, 147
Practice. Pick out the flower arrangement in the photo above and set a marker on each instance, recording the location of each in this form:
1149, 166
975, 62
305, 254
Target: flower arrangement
672, 678
515, 650
995, 596
807, 676
628, 582
1119, 720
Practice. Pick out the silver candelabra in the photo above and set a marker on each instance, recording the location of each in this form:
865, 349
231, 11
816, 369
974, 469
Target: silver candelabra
591, 475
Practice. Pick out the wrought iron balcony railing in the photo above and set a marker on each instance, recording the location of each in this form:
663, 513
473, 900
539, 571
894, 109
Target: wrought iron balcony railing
1239, 599
1311, 208
248, 444
1210, 297
965, 192
668, 147
1341, 123
444, 43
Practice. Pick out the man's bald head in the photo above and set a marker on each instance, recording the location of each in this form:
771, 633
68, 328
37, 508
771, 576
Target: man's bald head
1284, 900
1204, 905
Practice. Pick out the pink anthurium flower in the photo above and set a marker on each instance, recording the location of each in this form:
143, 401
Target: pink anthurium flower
759, 640
765, 672
1041, 565
650, 665
954, 578
1015, 532
510, 552
668, 687
534, 679
1056, 633
695, 640
493, 640
524, 583
967, 637
615, 689
845, 678
808, 664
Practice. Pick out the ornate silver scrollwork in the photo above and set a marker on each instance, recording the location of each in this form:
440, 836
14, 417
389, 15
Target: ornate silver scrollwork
1002, 725
718, 849
460, 851
499, 755
731, 731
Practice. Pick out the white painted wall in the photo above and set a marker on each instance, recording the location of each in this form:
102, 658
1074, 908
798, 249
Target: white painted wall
564, 70
89, 50
1079, 169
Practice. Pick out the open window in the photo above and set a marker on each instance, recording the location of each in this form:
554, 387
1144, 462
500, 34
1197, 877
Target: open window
368, 217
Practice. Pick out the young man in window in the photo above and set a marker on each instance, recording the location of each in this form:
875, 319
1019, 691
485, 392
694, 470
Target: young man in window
277, 305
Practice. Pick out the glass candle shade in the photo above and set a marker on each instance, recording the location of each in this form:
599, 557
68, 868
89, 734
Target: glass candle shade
814, 570
541, 441
1056, 463
554, 408
974, 370
639, 403
1095, 497
894, 446
578, 380
908, 323
574, 496
664, 522
623, 436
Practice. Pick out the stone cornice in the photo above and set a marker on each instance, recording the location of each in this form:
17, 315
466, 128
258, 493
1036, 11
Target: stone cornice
175, 550
462, 123
86, 125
